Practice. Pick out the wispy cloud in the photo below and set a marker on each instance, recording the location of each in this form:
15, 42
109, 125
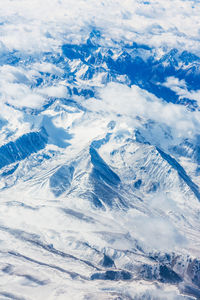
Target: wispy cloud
127, 103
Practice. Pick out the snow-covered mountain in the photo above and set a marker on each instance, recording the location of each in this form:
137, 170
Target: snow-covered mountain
99, 150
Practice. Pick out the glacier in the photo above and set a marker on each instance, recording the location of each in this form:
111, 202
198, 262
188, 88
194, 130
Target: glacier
99, 150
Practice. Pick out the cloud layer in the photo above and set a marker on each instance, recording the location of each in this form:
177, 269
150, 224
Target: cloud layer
36, 26
126, 104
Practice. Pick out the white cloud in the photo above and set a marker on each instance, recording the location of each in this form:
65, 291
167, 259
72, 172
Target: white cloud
20, 95
132, 102
180, 87
156, 232
58, 91
47, 67
43, 26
